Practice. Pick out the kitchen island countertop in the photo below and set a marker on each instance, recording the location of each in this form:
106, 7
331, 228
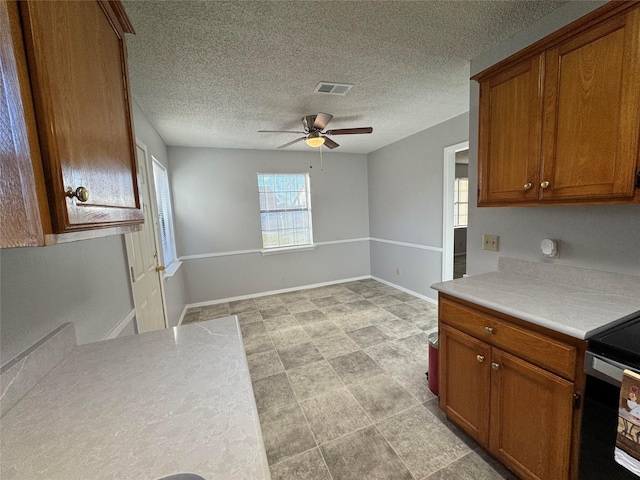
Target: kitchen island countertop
575, 301
141, 407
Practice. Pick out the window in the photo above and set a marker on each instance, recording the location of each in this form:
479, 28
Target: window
285, 209
165, 217
461, 202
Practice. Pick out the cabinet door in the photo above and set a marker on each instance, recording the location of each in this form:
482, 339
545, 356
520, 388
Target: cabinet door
592, 112
77, 61
531, 418
510, 130
464, 381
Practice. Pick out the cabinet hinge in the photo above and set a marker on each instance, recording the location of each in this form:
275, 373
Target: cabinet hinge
577, 399
638, 180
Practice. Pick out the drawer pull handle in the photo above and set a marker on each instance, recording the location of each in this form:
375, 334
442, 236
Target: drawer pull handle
488, 330
81, 193
495, 366
480, 358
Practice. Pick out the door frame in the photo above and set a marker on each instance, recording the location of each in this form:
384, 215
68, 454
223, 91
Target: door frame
449, 176
154, 217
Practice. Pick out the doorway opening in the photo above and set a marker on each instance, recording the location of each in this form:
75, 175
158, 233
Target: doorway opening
455, 210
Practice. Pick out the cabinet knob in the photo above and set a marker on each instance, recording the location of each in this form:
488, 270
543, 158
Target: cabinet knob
544, 184
495, 366
480, 358
81, 193
488, 330
528, 185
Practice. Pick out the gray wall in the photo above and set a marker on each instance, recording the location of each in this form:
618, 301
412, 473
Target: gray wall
598, 236
83, 282
173, 286
217, 212
405, 205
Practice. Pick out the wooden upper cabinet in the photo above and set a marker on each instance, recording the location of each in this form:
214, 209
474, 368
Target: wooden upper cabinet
592, 112
510, 129
559, 122
76, 113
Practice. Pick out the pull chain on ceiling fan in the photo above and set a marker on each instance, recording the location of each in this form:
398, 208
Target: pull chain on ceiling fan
314, 136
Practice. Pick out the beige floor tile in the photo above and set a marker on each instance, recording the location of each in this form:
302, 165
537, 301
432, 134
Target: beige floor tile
425, 445
289, 337
355, 367
333, 415
299, 355
382, 397
321, 329
280, 323
313, 379
368, 336
312, 316
335, 345
285, 433
364, 454
308, 465
273, 392
264, 364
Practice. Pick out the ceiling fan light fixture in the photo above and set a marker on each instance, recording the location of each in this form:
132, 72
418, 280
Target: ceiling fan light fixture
315, 141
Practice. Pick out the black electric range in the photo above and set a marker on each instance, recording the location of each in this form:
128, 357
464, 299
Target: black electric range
609, 354
620, 343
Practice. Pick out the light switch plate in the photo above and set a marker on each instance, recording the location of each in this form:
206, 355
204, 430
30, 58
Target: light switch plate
490, 242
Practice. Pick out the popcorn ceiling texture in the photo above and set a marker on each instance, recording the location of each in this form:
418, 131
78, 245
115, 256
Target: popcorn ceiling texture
212, 73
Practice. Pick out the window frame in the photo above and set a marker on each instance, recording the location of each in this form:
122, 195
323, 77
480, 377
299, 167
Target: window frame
164, 218
280, 248
457, 202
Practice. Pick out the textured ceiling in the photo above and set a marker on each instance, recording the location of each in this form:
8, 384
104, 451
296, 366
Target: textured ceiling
212, 73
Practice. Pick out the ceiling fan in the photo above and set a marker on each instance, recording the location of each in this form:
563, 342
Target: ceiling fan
313, 131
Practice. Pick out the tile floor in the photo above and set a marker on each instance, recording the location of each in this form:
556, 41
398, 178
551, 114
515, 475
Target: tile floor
338, 375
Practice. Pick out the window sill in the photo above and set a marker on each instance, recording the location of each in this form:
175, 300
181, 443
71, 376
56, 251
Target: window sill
275, 251
172, 269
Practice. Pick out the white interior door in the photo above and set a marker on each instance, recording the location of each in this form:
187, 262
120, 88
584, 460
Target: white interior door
142, 253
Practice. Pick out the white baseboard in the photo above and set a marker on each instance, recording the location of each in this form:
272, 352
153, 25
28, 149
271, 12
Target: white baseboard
406, 290
272, 292
121, 325
295, 289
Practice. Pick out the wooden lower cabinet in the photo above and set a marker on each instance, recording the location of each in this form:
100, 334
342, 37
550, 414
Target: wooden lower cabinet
523, 414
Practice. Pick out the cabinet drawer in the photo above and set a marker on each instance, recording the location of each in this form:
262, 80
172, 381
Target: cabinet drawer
538, 349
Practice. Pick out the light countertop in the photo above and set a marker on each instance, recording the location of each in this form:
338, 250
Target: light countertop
141, 407
576, 301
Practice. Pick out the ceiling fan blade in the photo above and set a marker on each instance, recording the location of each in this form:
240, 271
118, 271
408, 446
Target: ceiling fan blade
330, 143
292, 142
349, 131
321, 121
279, 131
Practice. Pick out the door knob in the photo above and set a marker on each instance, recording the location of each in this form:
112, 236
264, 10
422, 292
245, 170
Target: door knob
495, 366
528, 185
480, 358
159, 268
80, 193
544, 184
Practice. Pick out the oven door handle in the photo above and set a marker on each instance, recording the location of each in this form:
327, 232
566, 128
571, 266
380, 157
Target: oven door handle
605, 369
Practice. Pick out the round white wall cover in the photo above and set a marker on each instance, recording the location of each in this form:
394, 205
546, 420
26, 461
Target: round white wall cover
549, 247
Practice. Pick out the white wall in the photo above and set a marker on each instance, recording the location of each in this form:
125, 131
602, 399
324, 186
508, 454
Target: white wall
217, 213
598, 236
173, 286
405, 205
83, 282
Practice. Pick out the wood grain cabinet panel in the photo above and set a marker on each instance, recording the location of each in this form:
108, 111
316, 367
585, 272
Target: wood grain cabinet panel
75, 112
510, 129
592, 112
559, 122
464, 385
520, 411
531, 418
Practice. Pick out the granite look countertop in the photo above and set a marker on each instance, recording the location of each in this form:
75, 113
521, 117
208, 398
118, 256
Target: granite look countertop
579, 302
141, 407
